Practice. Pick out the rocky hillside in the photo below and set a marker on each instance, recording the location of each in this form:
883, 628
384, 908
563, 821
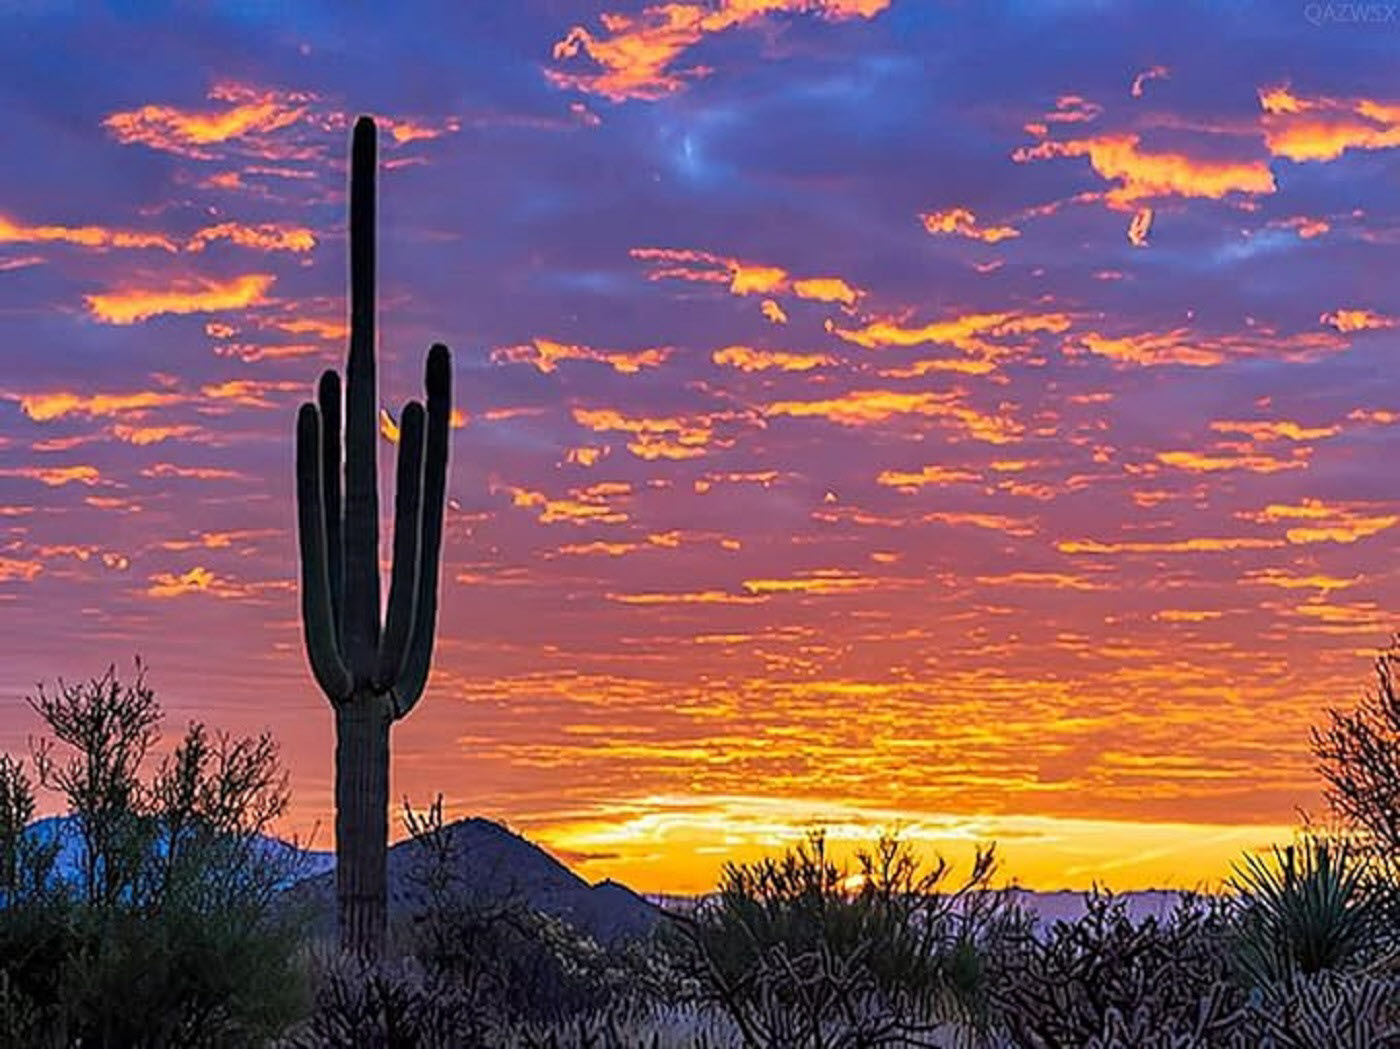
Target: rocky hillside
491, 864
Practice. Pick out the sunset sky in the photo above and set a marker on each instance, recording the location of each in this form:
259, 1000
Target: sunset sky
980, 419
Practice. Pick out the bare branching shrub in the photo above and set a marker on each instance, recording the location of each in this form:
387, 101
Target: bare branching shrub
1358, 755
166, 932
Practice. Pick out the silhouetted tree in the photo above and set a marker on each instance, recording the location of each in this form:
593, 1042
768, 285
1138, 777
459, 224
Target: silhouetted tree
1358, 754
161, 928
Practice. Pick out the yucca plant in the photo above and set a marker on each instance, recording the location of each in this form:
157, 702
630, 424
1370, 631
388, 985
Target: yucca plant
1307, 908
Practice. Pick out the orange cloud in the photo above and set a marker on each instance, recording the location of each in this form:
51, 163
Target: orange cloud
825, 289
197, 580
1153, 73
42, 407
1208, 462
190, 295
587, 455
332, 329
13, 569
972, 333
1183, 347
246, 111
991, 522
862, 407
143, 435
1139, 175
586, 505
744, 278
55, 476
635, 52
267, 236
1357, 320
1302, 129
654, 438
1272, 430
1325, 523
1073, 109
597, 547
1186, 615
1053, 580
250, 393
698, 597
822, 581
196, 473
545, 355
963, 223
929, 475
217, 540
748, 359
99, 237
1277, 578
1167, 546
1307, 228
406, 130
773, 312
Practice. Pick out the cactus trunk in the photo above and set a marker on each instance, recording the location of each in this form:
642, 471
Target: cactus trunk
362, 823
372, 673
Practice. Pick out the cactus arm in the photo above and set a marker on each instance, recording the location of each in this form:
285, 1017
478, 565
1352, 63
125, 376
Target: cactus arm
361, 430
408, 529
328, 397
414, 678
316, 615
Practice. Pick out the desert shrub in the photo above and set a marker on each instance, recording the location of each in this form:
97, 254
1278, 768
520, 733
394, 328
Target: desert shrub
390, 1004
1310, 907
508, 957
160, 930
800, 951
1327, 1010
1105, 979
476, 966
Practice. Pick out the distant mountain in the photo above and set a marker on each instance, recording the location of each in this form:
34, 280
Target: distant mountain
68, 864
493, 864
1068, 905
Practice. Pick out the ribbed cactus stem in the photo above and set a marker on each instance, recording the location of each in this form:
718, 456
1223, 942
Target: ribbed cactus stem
408, 530
328, 400
371, 675
438, 380
317, 618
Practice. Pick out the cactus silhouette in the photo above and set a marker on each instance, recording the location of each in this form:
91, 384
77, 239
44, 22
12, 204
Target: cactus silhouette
371, 676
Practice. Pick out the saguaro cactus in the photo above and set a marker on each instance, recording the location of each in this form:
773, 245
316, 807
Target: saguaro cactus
372, 676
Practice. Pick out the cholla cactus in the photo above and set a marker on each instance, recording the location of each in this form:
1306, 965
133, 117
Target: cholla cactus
372, 676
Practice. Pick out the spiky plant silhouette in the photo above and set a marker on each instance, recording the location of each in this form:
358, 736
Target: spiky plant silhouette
371, 676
